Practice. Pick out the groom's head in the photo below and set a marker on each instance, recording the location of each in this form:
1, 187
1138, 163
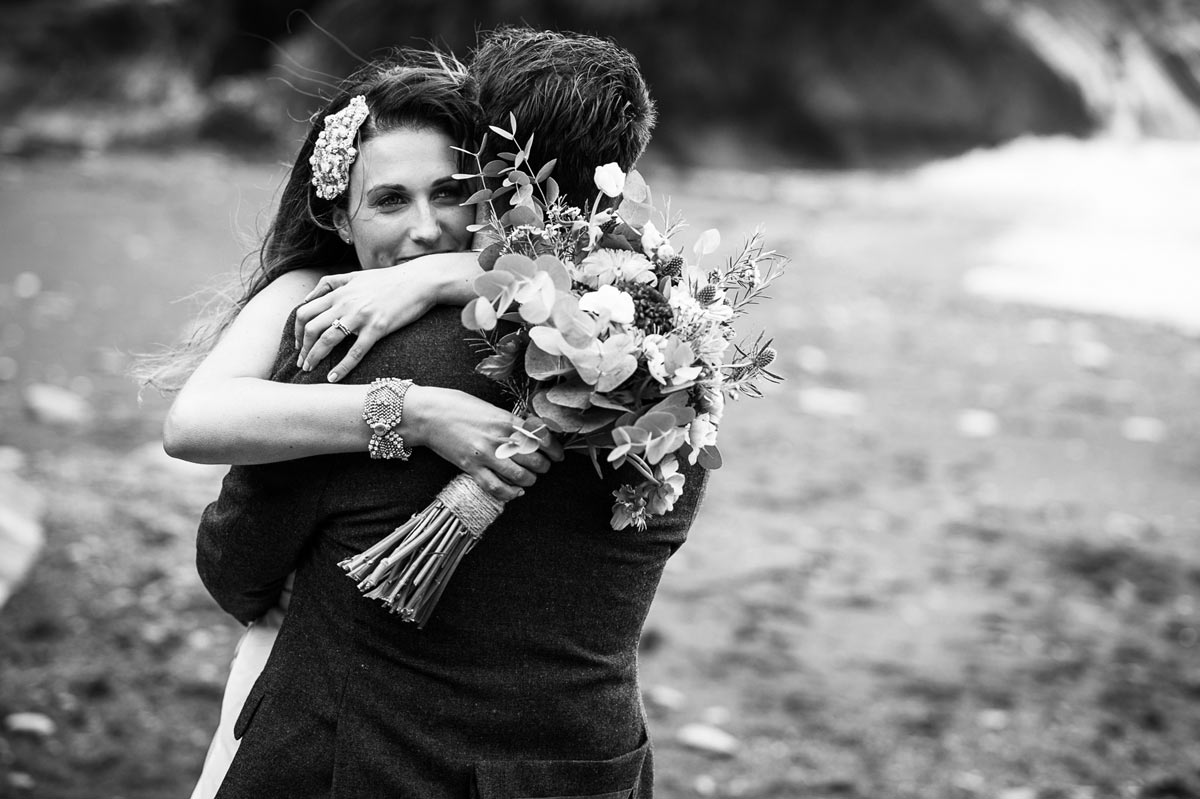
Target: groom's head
583, 97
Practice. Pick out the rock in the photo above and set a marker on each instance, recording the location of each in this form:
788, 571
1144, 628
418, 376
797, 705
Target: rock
36, 724
716, 715
11, 459
56, 406
21, 534
27, 285
1091, 354
812, 360
1042, 332
664, 697
993, 719
976, 423
20, 781
1144, 429
831, 403
1128, 528
1018, 793
708, 739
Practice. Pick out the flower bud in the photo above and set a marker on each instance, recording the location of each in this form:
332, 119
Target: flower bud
707, 295
610, 180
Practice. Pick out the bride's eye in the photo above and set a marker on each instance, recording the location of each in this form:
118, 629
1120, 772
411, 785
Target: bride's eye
390, 201
455, 193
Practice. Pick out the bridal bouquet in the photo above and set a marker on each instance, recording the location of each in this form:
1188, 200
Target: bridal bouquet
603, 333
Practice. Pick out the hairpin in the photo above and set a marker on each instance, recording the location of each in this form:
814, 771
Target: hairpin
334, 151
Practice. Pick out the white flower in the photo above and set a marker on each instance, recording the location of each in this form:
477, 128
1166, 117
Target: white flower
662, 497
604, 267
701, 433
670, 360
714, 399
610, 179
609, 304
595, 227
652, 240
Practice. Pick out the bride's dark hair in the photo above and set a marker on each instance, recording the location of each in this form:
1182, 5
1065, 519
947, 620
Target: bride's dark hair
409, 89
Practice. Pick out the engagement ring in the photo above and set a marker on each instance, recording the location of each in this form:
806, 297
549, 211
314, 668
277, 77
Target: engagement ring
338, 324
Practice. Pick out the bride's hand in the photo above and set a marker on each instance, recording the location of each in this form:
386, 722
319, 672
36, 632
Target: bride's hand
466, 431
369, 304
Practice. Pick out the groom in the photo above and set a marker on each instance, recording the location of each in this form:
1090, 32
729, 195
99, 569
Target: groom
524, 681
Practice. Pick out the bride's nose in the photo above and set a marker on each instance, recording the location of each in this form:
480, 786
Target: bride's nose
426, 228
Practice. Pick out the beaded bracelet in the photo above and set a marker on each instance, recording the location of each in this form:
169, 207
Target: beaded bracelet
382, 411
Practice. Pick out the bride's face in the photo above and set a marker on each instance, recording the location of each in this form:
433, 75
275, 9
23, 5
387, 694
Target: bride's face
403, 202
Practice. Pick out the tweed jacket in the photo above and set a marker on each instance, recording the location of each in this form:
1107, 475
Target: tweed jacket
524, 681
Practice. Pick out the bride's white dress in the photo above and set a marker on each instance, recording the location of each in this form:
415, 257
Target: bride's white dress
249, 659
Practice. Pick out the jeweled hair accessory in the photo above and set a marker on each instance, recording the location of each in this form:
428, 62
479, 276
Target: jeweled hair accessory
334, 151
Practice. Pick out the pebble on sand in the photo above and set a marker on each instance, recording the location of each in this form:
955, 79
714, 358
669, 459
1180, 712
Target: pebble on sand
831, 403
664, 697
1144, 429
52, 405
1091, 354
708, 739
36, 724
977, 423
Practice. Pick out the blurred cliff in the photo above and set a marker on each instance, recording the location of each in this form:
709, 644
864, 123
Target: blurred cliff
830, 82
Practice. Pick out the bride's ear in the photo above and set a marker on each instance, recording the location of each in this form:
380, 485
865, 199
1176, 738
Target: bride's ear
341, 221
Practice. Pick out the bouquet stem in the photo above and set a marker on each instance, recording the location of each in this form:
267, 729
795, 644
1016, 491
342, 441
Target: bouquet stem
409, 569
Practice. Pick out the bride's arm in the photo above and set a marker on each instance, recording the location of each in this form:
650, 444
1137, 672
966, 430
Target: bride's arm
229, 412
376, 302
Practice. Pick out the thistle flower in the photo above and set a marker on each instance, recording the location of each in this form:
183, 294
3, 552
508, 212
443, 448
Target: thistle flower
673, 267
707, 295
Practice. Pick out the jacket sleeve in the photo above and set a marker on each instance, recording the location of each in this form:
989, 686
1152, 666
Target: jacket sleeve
256, 532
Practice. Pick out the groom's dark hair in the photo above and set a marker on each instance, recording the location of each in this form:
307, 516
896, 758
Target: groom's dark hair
583, 97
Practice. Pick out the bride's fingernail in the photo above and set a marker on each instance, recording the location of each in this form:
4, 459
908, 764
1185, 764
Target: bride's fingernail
333, 377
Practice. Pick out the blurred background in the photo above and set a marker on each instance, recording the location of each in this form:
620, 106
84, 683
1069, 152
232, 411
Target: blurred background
956, 554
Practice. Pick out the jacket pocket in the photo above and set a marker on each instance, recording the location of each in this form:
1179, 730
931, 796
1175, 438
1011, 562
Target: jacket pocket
617, 778
244, 718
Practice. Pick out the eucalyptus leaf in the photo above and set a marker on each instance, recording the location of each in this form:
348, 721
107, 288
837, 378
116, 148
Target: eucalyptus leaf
521, 215
545, 171
540, 365
517, 264
487, 258
657, 422
709, 458
596, 419
636, 189
606, 401
555, 269
494, 169
567, 420
634, 213
483, 195
571, 393
490, 285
